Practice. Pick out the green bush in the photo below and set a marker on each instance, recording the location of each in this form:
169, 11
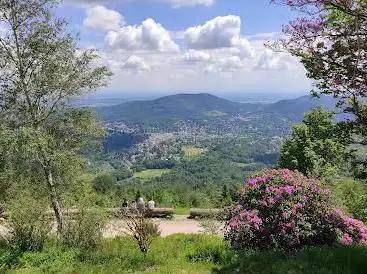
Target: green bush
29, 224
351, 195
85, 230
105, 183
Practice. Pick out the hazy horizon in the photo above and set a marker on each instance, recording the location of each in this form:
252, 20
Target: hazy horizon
106, 98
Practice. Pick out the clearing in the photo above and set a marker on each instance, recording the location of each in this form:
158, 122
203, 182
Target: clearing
148, 174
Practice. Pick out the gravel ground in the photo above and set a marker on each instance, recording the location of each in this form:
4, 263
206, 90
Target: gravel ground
180, 224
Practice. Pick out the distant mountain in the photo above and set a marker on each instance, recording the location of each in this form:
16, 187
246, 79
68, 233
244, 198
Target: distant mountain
174, 108
295, 108
205, 106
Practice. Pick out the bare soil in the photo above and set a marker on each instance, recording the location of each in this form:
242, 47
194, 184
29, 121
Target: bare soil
180, 224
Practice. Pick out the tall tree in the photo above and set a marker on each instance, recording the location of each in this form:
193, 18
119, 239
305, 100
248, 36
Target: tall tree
317, 147
41, 70
331, 41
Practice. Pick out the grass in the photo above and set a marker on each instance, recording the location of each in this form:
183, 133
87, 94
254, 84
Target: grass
120, 255
182, 211
185, 254
190, 152
215, 113
148, 174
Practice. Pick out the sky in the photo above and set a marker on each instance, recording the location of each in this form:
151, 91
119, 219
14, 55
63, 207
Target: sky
170, 46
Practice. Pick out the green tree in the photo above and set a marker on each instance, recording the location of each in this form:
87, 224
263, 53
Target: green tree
317, 147
41, 70
331, 41
226, 196
105, 183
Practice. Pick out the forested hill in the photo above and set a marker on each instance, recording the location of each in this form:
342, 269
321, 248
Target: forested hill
295, 108
174, 107
204, 106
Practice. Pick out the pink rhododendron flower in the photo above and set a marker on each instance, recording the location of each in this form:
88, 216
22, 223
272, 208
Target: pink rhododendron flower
283, 208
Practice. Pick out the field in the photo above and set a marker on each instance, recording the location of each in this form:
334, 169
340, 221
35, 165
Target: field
184, 254
150, 173
245, 165
190, 152
215, 113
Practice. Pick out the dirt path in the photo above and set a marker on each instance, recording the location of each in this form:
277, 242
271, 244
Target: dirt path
180, 224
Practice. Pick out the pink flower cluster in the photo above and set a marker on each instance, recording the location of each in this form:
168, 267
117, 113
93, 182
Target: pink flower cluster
349, 230
246, 217
283, 208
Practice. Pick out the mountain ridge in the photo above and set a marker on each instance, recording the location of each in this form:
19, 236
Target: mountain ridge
187, 106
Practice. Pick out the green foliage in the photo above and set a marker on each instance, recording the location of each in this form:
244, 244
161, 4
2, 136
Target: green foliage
351, 195
182, 211
167, 110
85, 229
42, 135
141, 229
323, 260
185, 254
195, 182
29, 223
317, 146
104, 183
148, 174
332, 47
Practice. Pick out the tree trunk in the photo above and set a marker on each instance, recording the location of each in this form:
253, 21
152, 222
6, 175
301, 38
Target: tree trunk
54, 200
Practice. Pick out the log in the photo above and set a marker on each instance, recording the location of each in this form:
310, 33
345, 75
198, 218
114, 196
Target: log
160, 213
199, 213
153, 213
112, 213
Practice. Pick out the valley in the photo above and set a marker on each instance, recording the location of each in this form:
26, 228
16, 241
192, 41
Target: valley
192, 149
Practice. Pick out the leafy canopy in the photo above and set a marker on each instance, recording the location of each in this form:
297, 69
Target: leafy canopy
331, 41
317, 147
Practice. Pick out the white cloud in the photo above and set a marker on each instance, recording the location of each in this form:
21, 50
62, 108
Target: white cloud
173, 3
244, 47
270, 60
216, 33
264, 35
188, 3
145, 57
136, 64
228, 64
102, 19
220, 32
196, 56
149, 36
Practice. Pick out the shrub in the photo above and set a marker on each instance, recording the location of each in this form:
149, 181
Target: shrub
104, 183
351, 195
141, 229
284, 209
348, 230
211, 223
29, 224
85, 230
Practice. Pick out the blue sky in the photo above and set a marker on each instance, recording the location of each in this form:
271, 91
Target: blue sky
188, 45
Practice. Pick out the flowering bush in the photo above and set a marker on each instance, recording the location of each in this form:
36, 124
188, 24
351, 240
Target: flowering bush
285, 209
348, 230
